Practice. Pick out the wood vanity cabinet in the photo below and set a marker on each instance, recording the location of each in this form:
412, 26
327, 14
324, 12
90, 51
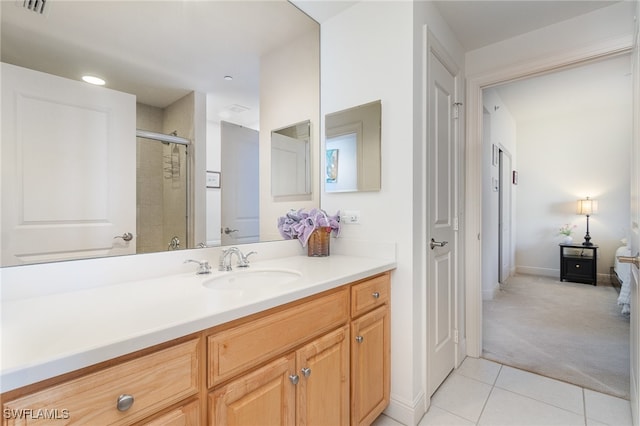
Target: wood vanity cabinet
312, 376
121, 394
370, 349
309, 374
322, 360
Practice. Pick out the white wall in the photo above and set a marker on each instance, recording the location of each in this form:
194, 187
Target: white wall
499, 130
278, 91
373, 50
569, 157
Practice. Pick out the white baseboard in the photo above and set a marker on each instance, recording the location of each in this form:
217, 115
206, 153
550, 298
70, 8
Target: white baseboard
407, 413
532, 270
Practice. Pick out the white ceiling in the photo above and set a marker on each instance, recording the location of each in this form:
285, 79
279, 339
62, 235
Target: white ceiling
158, 50
478, 23
161, 50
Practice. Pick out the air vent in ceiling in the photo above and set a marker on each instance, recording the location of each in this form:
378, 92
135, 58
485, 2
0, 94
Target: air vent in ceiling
34, 5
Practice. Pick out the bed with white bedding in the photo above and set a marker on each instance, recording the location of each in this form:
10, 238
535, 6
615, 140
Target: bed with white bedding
623, 273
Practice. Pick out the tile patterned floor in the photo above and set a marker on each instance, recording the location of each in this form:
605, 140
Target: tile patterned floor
485, 393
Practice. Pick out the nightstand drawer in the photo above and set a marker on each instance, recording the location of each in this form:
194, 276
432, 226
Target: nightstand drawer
581, 268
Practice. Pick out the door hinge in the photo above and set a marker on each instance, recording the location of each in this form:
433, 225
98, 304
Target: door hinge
455, 336
455, 223
456, 109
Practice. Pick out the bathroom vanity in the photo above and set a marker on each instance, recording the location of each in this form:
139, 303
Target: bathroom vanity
314, 351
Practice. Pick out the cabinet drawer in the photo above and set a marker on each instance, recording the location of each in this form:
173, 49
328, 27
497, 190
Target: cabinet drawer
369, 294
579, 268
237, 349
155, 381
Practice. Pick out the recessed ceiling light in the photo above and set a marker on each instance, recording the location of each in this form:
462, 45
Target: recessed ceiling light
228, 77
93, 80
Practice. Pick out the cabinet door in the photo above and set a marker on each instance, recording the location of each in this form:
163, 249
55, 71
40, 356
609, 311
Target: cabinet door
186, 415
370, 365
263, 397
323, 390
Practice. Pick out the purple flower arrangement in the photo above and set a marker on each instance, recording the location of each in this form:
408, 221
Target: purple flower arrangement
301, 224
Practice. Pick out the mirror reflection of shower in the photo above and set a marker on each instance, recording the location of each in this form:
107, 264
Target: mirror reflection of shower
162, 191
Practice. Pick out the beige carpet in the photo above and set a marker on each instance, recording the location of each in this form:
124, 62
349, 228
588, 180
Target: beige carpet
568, 331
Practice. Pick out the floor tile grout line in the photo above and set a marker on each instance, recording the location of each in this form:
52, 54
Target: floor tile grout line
486, 401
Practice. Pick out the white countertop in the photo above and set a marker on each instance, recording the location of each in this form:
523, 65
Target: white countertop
45, 336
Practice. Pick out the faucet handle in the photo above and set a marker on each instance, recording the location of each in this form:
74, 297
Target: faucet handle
203, 266
243, 259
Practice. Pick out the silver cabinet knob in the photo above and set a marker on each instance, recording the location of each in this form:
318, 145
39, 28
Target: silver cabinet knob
127, 236
294, 379
359, 339
228, 230
306, 372
125, 401
376, 295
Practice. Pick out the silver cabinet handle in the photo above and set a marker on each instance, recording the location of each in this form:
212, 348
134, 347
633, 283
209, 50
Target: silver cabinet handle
306, 372
376, 295
228, 230
435, 243
294, 379
127, 236
359, 339
125, 401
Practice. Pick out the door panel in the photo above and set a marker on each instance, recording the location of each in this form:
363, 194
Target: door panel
324, 382
441, 194
68, 184
240, 196
263, 397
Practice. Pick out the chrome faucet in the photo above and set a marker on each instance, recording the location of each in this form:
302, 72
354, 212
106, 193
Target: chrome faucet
203, 266
224, 263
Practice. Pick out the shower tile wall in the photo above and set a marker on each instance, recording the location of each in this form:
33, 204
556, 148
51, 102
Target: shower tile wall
178, 117
149, 189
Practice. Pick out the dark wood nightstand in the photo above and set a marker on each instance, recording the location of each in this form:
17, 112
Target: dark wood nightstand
578, 263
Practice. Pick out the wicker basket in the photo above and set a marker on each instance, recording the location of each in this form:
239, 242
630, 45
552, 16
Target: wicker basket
318, 244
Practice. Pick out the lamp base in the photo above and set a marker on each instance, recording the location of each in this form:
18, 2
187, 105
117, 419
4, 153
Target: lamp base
587, 237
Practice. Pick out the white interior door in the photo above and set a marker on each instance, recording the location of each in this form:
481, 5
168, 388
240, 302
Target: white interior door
239, 185
68, 183
441, 244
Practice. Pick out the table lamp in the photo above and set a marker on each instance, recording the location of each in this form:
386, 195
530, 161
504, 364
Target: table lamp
587, 207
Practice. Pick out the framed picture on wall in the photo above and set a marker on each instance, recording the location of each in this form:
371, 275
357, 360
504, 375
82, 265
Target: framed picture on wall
213, 179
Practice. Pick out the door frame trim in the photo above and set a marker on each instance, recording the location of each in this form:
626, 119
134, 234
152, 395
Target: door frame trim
473, 152
433, 45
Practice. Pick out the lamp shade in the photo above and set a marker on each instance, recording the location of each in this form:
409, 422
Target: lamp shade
587, 206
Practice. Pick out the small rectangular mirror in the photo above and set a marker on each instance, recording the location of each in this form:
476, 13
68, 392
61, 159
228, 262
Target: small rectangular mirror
290, 166
352, 149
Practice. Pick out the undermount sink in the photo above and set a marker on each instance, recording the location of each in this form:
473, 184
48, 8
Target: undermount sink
253, 281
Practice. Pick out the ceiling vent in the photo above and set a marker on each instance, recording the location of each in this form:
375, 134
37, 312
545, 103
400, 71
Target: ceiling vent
34, 5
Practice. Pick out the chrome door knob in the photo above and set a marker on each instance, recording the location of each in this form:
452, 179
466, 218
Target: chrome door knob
435, 243
127, 236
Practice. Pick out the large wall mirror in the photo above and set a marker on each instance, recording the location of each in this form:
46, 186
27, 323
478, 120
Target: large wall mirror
352, 149
195, 75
